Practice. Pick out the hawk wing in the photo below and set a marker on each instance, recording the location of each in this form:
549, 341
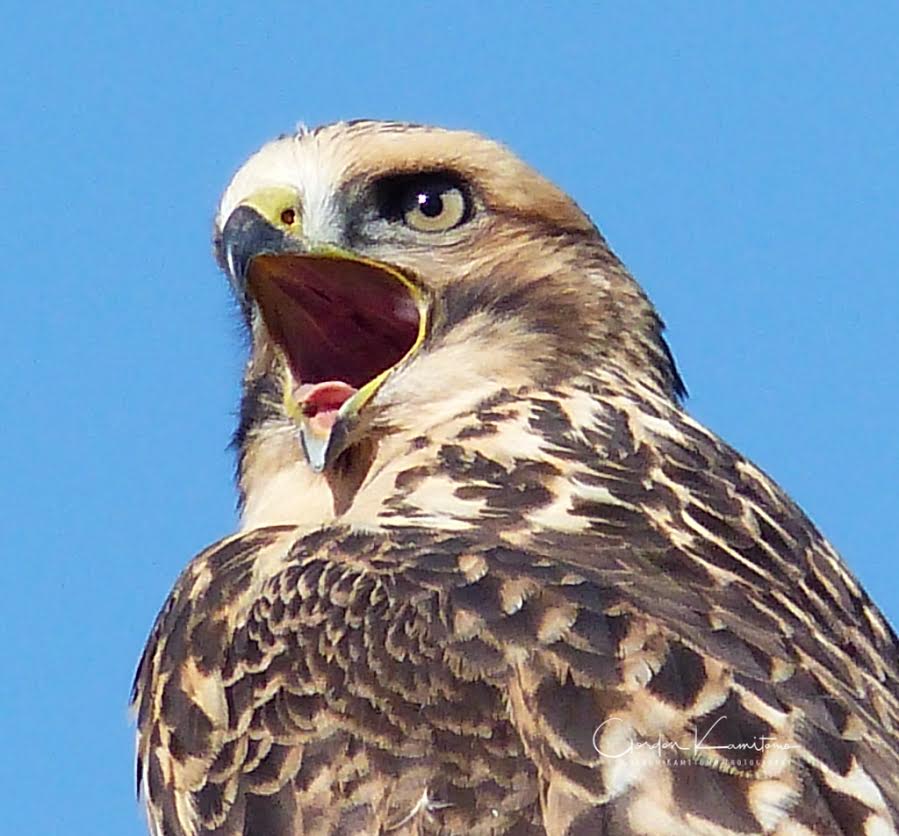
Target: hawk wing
684, 655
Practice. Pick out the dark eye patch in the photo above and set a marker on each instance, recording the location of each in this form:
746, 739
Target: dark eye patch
398, 194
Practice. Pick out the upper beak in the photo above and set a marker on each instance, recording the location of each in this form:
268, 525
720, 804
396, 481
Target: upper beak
245, 235
342, 323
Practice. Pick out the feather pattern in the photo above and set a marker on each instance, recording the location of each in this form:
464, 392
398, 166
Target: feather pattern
680, 653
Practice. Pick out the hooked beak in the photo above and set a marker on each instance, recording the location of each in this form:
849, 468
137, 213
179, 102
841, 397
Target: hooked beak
341, 322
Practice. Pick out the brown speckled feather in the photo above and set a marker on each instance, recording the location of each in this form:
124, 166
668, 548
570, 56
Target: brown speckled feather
568, 609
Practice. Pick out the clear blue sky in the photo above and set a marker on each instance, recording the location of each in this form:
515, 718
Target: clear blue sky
740, 157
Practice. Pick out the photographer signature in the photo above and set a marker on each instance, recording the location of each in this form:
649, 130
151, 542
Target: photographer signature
698, 744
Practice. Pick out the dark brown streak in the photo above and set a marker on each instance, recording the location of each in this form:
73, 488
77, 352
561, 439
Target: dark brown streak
349, 472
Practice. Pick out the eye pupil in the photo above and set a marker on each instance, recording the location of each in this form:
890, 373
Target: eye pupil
430, 204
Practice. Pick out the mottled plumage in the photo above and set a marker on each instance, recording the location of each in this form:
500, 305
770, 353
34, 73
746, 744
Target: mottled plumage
512, 588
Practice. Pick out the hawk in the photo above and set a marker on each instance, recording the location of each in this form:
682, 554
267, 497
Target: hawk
490, 577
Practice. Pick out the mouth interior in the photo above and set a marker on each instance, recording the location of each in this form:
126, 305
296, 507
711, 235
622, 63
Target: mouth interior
338, 321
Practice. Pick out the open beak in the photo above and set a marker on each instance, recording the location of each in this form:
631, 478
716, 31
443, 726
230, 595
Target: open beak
341, 322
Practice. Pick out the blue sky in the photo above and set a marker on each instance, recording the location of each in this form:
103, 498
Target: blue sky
740, 158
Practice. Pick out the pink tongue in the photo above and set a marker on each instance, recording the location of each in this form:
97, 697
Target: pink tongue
321, 401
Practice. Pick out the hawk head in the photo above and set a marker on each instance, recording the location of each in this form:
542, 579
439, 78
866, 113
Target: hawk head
393, 276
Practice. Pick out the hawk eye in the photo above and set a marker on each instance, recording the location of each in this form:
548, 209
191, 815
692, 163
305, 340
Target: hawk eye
425, 203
